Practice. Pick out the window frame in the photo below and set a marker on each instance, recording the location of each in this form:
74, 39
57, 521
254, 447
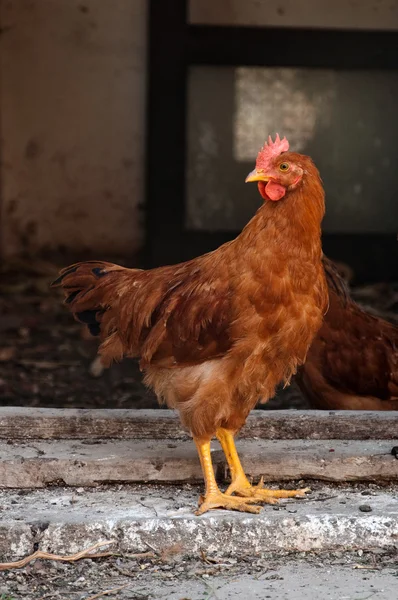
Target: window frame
175, 45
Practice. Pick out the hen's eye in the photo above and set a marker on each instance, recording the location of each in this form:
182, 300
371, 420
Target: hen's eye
284, 167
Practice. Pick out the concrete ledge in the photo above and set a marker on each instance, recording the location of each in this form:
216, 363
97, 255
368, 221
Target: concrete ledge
48, 423
161, 518
78, 463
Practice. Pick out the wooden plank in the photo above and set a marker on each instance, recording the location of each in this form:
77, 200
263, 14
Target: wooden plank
75, 463
46, 423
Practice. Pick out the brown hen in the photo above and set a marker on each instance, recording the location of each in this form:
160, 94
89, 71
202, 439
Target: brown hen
207, 330
353, 361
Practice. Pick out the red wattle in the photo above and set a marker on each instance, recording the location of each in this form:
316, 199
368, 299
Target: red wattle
274, 191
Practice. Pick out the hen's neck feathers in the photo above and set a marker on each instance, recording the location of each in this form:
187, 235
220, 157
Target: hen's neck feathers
292, 225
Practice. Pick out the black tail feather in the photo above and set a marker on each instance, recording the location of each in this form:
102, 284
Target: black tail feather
63, 274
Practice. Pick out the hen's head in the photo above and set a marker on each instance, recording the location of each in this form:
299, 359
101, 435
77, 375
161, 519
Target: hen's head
277, 170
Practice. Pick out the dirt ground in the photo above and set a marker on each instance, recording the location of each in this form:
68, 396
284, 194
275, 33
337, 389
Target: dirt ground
46, 357
310, 576
48, 360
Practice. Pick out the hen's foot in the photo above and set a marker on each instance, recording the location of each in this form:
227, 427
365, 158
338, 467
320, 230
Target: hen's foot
217, 499
259, 493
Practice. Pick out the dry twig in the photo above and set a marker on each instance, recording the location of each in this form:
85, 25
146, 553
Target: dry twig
140, 555
18, 564
206, 559
151, 547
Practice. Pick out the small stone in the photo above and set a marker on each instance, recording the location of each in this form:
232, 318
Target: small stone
365, 508
24, 332
394, 451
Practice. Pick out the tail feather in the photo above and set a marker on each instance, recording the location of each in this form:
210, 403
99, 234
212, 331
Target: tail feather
91, 294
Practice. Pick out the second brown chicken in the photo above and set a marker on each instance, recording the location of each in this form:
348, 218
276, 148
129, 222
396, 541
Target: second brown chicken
353, 361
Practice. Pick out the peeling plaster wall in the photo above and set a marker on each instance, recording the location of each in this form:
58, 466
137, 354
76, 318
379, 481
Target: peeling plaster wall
72, 124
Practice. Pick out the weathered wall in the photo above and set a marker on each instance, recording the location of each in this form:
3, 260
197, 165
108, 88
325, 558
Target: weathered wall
72, 124
72, 97
350, 14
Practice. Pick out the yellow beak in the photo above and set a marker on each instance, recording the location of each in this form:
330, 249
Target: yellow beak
256, 176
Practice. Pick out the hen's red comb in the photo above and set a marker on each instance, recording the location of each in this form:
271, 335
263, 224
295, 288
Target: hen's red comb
270, 151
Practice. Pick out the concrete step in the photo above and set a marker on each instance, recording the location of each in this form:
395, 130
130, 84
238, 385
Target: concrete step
160, 518
36, 464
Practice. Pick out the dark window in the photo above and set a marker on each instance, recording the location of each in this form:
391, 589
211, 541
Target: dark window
215, 92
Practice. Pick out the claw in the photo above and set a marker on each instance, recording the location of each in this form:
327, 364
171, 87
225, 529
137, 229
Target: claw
262, 494
218, 500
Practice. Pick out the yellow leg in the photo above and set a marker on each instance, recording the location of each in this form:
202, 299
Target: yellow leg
214, 498
240, 485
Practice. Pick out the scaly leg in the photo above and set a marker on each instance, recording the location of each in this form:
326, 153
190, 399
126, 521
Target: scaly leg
214, 498
240, 485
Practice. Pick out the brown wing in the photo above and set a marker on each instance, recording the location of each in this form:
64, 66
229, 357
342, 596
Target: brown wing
167, 316
191, 321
